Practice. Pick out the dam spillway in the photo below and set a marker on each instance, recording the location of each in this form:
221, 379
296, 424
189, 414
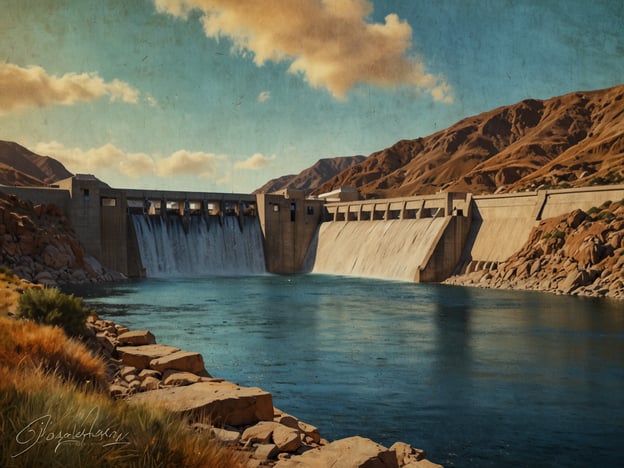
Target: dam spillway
393, 249
195, 246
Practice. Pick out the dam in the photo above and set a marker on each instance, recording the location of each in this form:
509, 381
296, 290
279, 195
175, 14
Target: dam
422, 238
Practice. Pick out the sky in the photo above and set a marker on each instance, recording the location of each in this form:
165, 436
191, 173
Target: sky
224, 95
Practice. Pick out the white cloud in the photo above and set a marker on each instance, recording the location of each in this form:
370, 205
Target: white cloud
185, 162
255, 162
34, 87
264, 96
123, 163
330, 43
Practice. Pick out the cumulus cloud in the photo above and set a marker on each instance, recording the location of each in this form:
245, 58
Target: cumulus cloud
329, 43
189, 163
34, 87
111, 158
264, 96
255, 162
78, 160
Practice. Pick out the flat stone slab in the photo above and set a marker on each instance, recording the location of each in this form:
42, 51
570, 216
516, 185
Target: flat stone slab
186, 361
352, 452
141, 356
220, 402
137, 337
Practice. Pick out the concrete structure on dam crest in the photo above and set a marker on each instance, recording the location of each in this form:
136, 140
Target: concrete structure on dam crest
420, 238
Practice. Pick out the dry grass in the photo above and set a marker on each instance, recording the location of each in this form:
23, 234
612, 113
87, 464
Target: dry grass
25, 345
47, 422
11, 288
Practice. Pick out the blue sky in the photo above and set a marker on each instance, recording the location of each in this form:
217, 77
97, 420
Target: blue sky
217, 95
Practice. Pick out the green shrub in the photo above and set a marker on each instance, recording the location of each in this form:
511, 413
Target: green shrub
49, 306
559, 235
606, 204
593, 210
606, 216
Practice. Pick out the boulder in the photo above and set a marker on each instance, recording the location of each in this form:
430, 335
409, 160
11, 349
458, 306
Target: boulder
422, 464
259, 433
286, 438
174, 377
149, 383
141, 356
225, 436
221, 402
266, 452
405, 453
352, 452
290, 421
187, 361
575, 279
137, 338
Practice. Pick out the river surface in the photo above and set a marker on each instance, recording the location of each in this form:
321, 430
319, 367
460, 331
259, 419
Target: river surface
475, 377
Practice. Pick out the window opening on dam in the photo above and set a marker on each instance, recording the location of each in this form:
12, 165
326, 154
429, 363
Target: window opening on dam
293, 211
108, 202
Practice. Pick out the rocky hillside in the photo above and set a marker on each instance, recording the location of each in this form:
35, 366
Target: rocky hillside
580, 253
38, 244
21, 167
571, 140
312, 177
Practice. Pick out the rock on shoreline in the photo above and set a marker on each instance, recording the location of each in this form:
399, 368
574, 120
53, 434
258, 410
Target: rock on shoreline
580, 253
140, 371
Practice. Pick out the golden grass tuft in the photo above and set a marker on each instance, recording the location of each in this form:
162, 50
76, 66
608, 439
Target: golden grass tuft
24, 344
45, 421
11, 287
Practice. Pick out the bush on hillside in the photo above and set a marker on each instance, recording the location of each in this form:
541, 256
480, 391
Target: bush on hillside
51, 307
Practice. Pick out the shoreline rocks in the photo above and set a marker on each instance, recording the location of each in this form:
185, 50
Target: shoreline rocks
141, 371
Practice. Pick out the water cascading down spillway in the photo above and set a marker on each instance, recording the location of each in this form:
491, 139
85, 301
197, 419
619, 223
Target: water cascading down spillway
393, 249
196, 246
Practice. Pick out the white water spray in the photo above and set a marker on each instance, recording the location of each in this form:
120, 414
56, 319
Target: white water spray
206, 247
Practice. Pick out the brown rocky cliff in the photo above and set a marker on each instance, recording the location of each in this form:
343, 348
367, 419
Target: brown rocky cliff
38, 244
571, 140
578, 253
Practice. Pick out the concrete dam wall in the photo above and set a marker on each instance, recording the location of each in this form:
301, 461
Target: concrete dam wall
422, 238
430, 238
411, 239
394, 249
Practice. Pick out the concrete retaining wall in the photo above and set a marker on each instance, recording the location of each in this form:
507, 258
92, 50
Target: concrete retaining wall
502, 223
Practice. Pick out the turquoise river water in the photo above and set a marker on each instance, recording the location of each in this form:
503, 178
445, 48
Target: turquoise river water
474, 377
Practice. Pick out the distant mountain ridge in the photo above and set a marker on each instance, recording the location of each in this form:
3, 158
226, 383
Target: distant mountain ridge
312, 177
571, 140
21, 167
